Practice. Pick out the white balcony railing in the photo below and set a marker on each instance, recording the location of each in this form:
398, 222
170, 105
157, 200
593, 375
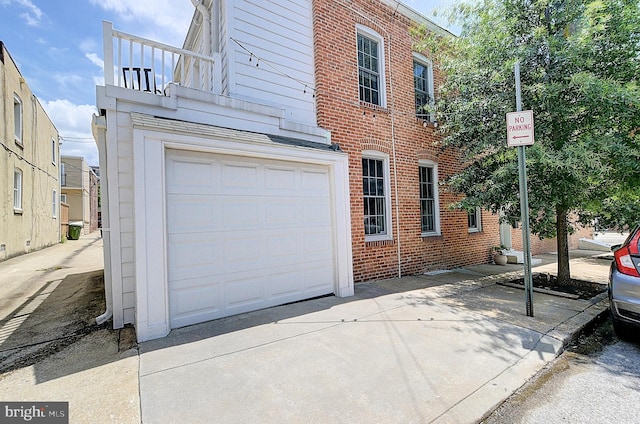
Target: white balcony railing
139, 64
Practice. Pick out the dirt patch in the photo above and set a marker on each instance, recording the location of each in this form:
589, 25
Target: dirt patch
548, 283
52, 319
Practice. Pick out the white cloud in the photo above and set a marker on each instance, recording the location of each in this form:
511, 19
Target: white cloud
95, 60
33, 16
166, 21
74, 126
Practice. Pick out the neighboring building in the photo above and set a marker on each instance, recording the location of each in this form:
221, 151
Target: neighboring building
29, 174
79, 188
273, 162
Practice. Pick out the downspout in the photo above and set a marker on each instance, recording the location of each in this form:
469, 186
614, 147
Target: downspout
206, 35
99, 129
395, 164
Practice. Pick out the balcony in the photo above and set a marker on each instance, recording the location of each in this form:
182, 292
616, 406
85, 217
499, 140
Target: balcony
139, 64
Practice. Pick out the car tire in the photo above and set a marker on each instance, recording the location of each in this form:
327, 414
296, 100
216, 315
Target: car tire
622, 330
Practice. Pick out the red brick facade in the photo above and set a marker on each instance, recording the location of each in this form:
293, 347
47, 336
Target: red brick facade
394, 131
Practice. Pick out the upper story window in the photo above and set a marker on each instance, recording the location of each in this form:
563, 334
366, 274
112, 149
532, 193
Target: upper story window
63, 175
429, 205
54, 151
17, 119
370, 67
17, 190
376, 196
423, 85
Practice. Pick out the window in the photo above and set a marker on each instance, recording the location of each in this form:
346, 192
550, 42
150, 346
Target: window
429, 206
54, 204
54, 151
474, 220
370, 67
63, 198
423, 84
17, 191
375, 183
63, 176
17, 119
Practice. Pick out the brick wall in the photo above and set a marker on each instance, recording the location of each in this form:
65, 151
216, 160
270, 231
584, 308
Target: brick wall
394, 131
539, 246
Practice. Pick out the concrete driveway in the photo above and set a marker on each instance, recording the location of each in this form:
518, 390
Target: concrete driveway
449, 352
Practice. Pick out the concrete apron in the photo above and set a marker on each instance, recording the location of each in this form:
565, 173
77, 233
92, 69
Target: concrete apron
439, 354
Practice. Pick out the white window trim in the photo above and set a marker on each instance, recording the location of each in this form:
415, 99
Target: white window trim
18, 132
436, 198
54, 201
417, 57
477, 229
374, 154
369, 33
63, 198
17, 191
54, 152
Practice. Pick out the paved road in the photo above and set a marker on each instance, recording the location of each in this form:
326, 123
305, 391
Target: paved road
597, 387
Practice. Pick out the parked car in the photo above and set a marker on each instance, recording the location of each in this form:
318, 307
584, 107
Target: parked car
624, 286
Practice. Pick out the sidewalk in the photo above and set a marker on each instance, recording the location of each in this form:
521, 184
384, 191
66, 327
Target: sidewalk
440, 348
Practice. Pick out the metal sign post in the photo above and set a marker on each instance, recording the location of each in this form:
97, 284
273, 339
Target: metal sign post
520, 134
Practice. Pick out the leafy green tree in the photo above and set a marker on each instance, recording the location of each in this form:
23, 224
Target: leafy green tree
579, 62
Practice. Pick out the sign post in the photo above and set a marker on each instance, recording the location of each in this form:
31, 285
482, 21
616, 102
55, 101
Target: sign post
520, 134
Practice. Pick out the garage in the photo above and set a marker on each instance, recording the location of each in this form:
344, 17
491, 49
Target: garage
245, 233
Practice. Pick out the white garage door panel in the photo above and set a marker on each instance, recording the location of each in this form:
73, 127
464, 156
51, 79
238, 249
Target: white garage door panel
245, 234
189, 213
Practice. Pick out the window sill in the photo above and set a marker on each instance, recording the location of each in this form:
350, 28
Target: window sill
427, 235
474, 230
17, 211
374, 107
19, 143
379, 242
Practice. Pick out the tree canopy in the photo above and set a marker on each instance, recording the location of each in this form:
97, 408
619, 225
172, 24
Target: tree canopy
579, 64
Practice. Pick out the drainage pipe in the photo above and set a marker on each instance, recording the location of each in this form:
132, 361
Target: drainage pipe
99, 129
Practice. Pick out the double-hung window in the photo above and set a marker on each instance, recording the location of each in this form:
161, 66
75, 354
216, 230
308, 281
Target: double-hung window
423, 85
17, 190
429, 207
375, 184
17, 119
54, 151
474, 219
370, 67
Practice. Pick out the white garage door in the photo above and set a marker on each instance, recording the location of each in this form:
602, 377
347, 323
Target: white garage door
245, 234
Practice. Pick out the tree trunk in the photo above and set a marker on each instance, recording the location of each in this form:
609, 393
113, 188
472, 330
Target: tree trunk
564, 273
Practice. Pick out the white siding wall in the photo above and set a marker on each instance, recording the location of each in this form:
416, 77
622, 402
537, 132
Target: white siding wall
127, 225
281, 33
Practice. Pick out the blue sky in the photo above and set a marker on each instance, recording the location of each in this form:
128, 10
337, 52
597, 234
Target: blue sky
57, 45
